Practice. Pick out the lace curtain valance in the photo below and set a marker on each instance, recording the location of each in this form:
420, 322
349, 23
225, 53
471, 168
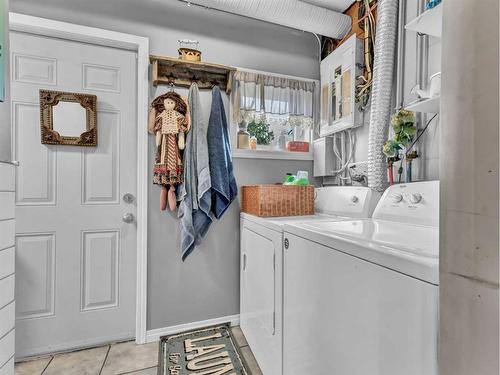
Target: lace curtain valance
285, 98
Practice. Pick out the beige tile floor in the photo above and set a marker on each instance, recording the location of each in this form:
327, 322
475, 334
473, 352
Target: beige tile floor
115, 359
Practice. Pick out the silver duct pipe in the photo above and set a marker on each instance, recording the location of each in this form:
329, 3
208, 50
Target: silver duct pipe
292, 13
383, 74
338, 5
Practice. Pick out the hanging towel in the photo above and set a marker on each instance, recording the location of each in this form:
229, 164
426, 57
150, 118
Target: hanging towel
203, 218
224, 189
194, 217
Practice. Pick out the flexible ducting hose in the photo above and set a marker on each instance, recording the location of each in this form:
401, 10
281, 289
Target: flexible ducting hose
383, 72
291, 13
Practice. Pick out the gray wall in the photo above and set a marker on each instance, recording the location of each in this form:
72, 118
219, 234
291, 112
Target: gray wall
469, 243
5, 144
207, 284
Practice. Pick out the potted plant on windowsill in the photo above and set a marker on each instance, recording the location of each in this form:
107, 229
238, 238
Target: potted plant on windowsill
259, 128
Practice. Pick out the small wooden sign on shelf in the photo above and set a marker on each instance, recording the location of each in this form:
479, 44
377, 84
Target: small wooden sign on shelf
170, 70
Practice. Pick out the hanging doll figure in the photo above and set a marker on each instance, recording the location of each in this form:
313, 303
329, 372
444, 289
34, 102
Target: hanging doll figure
168, 121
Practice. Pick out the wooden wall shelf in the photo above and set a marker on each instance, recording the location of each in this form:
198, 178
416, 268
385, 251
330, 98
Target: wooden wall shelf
168, 70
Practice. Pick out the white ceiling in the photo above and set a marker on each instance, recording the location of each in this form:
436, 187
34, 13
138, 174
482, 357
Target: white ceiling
337, 5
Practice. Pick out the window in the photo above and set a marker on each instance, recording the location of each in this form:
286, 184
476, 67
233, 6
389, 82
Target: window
273, 115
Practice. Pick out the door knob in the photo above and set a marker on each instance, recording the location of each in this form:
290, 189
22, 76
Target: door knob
128, 218
128, 198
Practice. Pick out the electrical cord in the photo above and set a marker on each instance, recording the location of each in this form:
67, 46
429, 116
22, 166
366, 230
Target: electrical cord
352, 141
365, 80
421, 133
400, 169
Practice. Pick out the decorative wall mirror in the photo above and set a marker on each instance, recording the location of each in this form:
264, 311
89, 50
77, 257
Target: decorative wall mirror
68, 118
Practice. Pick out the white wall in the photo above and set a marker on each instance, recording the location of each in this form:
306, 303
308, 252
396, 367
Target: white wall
426, 167
469, 171
207, 284
7, 262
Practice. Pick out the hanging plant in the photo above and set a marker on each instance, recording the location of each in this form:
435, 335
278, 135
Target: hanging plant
391, 148
403, 123
259, 128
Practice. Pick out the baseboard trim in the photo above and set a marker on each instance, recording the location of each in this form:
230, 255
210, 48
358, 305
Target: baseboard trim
155, 334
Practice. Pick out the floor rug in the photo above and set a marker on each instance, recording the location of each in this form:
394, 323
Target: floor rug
205, 351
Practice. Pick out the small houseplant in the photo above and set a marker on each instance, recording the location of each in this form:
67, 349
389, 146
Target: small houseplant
259, 128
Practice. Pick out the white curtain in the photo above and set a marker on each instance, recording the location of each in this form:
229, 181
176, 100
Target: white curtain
288, 99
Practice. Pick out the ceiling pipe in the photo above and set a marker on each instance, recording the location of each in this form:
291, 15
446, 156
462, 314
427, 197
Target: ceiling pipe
291, 13
338, 5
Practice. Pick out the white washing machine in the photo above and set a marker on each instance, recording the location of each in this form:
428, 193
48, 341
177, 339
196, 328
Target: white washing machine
361, 296
261, 281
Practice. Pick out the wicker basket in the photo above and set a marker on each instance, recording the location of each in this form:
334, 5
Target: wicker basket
277, 200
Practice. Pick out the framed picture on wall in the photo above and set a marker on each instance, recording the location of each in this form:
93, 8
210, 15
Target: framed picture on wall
3, 18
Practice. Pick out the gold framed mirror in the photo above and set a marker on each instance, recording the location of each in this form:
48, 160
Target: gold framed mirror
68, 118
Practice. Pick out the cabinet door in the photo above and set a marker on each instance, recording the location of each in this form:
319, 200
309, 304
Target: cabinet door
261, 291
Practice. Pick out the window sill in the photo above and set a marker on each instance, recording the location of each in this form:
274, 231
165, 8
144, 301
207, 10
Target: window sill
271, 154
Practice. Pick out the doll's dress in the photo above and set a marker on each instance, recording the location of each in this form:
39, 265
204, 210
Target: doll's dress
168, 169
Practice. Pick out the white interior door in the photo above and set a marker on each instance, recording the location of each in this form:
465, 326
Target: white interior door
75, 261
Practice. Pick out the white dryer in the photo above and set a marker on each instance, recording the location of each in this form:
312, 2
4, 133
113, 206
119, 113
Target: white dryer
361, 296
261, 281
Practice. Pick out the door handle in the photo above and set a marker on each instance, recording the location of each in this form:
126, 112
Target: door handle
244, 262
128, 218
128, 198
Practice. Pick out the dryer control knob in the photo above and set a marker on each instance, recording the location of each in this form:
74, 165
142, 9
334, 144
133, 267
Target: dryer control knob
415, 198
396, 198
354, 199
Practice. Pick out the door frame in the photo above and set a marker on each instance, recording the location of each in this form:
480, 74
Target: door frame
140, 45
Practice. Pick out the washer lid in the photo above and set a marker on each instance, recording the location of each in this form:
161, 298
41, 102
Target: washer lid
277, 223
409, 249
